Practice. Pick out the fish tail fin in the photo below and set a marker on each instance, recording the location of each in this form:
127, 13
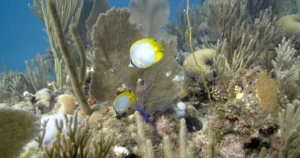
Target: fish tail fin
159, 56
159, 46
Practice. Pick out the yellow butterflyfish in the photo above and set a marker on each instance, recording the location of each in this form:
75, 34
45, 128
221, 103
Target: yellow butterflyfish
145, 52
123, 101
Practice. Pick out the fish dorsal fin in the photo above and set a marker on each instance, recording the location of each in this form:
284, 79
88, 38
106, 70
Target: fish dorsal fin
159, 47
156, 46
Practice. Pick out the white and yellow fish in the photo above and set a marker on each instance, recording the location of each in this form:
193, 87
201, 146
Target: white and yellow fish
123, 101
145, 52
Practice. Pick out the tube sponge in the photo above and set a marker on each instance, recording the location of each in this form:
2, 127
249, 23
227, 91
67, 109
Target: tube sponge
18, 127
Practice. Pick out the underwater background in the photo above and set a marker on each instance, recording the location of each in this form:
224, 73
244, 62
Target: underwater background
150, 78
22, 35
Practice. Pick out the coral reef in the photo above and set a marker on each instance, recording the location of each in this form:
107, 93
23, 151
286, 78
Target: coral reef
222, 100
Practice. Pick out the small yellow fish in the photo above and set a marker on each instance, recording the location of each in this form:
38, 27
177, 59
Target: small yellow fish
123, 101
145, 52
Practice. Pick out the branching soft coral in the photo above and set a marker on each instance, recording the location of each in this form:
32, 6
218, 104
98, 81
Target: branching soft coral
285, 64
77, 141
287, 69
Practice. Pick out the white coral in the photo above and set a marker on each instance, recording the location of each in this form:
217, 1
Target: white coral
286, 66
121, 151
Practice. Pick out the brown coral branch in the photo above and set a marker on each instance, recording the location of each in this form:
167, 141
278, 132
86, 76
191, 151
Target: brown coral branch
82, 54
190, 39
69, 58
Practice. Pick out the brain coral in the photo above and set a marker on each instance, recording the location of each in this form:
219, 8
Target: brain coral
267, 94
203, 58
290, 24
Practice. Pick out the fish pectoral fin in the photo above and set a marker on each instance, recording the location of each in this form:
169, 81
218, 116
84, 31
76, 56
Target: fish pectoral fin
115, 112
131, 64
159, 56
138, 62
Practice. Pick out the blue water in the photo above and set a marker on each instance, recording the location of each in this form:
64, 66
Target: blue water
21, 35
